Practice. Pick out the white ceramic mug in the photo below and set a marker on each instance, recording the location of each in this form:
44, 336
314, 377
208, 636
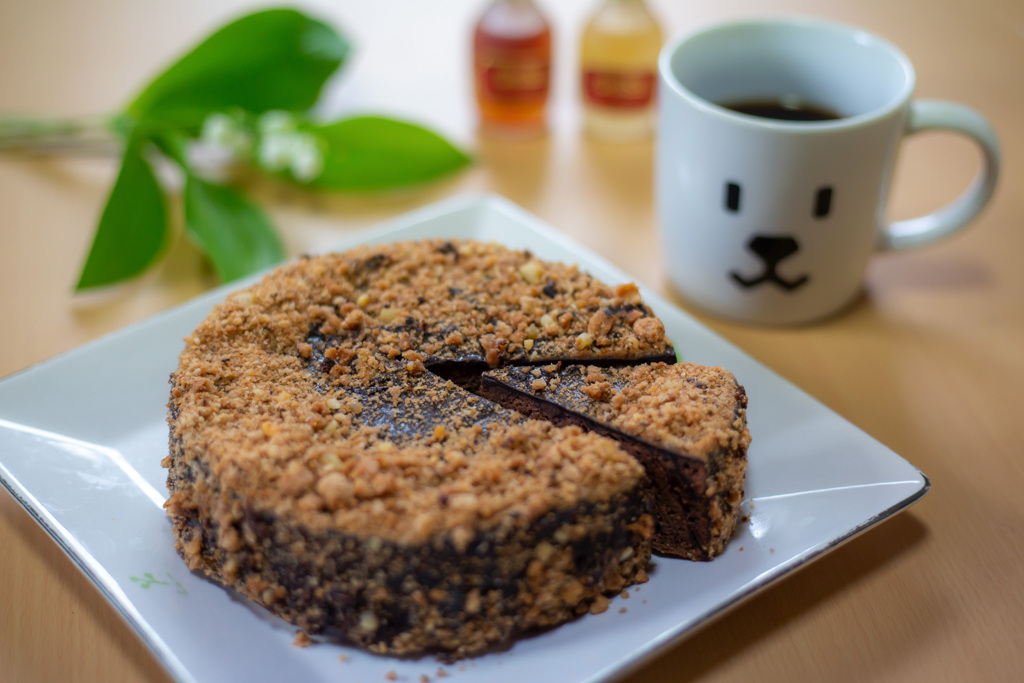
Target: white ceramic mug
773, 222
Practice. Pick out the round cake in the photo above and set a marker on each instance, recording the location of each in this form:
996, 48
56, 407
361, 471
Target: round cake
331, 461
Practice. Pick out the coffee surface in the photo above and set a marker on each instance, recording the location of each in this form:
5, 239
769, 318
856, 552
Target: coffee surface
783, 110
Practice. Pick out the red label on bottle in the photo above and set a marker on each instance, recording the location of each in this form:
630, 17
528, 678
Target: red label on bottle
619, 89
514, 78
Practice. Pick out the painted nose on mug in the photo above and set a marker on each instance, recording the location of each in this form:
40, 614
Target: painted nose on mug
771, 251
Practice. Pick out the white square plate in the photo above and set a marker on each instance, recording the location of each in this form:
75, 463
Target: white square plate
82, 436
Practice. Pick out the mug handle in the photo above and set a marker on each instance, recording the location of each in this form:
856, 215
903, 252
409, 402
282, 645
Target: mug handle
937, 114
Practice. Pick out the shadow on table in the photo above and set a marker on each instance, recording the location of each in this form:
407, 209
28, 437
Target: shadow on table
756, 623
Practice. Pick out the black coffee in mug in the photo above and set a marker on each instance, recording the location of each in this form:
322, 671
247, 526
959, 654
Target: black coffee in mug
783, 109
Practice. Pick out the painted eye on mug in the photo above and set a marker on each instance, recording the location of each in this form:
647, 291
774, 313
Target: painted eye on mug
823, 201
732, 197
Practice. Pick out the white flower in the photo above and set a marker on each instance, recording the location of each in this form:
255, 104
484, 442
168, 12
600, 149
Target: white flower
273, 122
307, 160
223, 131
217, 128
275, 152
296, 151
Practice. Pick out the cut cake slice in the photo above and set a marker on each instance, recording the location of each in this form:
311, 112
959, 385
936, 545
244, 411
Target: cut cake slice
685, 423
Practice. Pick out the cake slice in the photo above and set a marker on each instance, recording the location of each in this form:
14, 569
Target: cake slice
685, 423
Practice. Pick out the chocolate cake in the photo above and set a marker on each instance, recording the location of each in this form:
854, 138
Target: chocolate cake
330, 461
685, 423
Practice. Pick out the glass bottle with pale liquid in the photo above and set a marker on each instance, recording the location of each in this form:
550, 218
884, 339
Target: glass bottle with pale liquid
619, 70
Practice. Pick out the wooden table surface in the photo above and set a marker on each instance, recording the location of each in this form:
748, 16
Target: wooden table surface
929, 361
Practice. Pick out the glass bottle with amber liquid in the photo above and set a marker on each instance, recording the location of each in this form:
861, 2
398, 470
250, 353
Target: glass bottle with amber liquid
619, 70
512, 68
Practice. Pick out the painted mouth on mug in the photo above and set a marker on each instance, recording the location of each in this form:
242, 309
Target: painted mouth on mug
771, 251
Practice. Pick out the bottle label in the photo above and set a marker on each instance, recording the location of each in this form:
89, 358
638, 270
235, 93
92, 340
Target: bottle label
511, 77
619, 89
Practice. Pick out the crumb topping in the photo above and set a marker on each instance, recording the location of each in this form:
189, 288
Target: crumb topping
311, 394
685, 408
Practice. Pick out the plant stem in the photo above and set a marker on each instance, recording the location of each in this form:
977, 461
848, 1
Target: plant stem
54, 136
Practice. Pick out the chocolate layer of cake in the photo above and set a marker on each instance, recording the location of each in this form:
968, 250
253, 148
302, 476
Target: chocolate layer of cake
685, 423
453, 593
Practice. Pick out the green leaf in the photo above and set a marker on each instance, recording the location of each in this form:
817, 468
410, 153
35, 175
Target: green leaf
133, 227
174, 146
374, 153
234, 233
274, 59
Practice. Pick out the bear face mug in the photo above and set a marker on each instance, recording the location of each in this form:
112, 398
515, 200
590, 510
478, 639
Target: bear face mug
776, 145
